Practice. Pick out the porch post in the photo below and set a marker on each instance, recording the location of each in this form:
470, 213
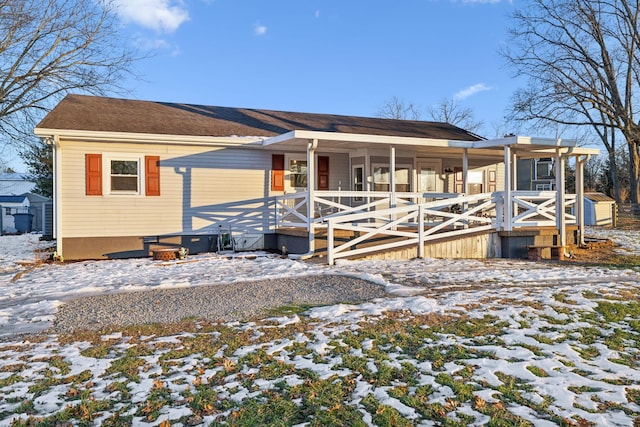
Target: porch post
580, 197
465, 171
560, 187
392, 176
312, 144
507, 208
465, 182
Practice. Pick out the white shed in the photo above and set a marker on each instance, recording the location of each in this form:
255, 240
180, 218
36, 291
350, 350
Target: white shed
12, 206
598, 209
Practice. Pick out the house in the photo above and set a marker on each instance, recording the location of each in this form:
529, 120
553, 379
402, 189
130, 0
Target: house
35, 214
599, 209
536, 174
15, 212
132, 175
14, 184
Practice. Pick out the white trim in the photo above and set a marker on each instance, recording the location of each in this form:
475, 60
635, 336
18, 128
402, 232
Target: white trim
107, 158
365, 138
429, 164
147, 138
288, 157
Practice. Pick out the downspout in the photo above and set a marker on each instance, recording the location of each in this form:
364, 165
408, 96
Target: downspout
312, 144
580, 161
560, 198
54, 141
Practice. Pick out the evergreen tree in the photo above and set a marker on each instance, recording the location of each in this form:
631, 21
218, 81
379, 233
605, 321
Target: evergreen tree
39, 159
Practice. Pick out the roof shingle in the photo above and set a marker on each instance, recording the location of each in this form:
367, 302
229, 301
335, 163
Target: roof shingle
92, 113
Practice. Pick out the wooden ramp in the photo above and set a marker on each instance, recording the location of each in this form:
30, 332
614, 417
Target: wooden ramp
479, 245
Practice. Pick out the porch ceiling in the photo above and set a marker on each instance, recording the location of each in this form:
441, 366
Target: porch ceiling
426, 147
342, 142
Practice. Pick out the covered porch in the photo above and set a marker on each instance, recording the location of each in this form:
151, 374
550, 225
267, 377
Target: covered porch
456, 189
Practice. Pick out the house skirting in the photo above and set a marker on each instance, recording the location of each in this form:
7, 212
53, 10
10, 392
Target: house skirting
79, 248
515, 243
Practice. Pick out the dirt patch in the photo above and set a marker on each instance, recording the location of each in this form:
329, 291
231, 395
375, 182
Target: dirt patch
597, 251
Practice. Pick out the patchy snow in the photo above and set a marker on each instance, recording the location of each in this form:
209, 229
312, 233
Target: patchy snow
538, 302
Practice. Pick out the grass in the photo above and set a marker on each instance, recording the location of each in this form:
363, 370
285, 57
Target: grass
390, 369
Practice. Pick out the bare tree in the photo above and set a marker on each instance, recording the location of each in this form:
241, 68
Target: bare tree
450, 111
396, 108
582, 62
49, 48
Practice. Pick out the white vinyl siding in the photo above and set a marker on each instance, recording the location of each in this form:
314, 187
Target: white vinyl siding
201, 187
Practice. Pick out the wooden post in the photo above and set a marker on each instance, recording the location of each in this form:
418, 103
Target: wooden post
330, 260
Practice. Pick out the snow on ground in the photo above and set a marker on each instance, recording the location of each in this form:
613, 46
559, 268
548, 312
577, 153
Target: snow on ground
31, 293
535, 299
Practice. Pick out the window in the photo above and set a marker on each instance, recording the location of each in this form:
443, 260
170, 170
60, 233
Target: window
358, 180
543, 168
381, 177
298, 173
124, 176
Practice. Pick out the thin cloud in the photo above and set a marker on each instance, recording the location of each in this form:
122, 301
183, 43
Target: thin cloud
470, 91
259, 30
159, 15
317, 13
485, 1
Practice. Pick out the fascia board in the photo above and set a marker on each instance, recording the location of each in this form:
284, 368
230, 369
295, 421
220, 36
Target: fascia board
145, 138
521, 141
365, 138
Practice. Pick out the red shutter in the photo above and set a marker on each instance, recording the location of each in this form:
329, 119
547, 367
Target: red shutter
152, 175
277, 172
93, 173
323, 173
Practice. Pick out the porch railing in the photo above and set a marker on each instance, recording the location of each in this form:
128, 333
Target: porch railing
413, 224
538, 209
380, 221
291, 209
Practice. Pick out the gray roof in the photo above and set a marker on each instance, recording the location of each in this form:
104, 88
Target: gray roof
91, 113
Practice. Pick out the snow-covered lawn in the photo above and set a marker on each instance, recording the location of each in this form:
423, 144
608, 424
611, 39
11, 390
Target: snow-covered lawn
461, 343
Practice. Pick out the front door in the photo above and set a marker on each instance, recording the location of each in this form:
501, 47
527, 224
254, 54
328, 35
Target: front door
429, 180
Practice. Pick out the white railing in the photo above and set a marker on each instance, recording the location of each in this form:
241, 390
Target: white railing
291, 209
380, 221
538, 209
413, 224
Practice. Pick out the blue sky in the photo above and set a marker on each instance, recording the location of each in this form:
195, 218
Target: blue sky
322, 56
330, 56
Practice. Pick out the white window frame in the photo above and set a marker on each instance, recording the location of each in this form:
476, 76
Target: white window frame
107, 158
399, 166
287, 171
354, 182
539, 162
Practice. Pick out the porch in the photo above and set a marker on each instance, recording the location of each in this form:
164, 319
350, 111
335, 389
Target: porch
359, 221
346, 224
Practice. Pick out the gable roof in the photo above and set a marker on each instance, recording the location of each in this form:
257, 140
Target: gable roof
16, 183
12, 199
599, 197
101, 114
